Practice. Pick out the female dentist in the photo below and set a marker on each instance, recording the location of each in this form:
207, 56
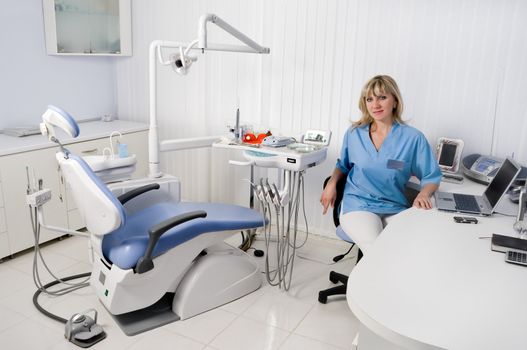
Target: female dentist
379, 155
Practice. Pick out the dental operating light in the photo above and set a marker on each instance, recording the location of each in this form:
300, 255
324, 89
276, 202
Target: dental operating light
180, 61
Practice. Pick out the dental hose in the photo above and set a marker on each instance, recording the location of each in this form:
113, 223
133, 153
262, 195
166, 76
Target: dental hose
51, 284
35, 225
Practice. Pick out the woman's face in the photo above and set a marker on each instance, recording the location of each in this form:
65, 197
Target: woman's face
381, 107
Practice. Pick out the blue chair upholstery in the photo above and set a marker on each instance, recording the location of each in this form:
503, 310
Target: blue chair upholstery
127, 244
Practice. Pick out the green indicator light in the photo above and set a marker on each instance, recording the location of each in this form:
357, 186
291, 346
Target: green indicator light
106, 293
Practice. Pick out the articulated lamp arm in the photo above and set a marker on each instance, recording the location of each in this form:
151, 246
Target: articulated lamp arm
181, 62
252, 46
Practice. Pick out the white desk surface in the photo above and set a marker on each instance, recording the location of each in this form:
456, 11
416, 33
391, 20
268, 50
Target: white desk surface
88, 131
430, 283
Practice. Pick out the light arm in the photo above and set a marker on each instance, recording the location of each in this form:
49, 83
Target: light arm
202, 36
154, 145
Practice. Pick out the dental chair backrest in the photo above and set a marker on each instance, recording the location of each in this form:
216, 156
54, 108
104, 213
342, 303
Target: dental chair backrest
99, 208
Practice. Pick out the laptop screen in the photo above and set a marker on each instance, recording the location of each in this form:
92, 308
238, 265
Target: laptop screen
501, 182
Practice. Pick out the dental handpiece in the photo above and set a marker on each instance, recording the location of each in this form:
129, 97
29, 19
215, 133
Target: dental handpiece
258, 192
269, 192
278, 199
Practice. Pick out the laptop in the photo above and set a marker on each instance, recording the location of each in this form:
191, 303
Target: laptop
485, 204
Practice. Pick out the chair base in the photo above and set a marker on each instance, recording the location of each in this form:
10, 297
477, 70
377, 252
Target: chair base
222, 275
334, 277
157, 315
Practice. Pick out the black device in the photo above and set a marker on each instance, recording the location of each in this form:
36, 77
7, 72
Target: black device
501, 243
465, 220
514, 257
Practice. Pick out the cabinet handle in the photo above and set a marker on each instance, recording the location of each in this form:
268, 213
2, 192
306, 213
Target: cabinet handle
90, 150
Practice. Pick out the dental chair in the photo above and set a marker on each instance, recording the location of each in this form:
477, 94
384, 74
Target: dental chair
165, 261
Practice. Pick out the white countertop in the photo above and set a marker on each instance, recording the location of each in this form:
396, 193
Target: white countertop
430, 283
88, 131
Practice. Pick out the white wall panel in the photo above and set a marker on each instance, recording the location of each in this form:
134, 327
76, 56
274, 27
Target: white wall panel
460, 66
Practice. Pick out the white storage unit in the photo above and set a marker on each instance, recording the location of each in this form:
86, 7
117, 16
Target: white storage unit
4, 241
33, 158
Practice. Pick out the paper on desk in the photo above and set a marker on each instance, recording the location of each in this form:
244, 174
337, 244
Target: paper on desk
506, 207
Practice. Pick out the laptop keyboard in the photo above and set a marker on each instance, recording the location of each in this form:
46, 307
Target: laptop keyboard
466, 202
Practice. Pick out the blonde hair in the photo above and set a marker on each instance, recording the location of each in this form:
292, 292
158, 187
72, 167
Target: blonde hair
378, 85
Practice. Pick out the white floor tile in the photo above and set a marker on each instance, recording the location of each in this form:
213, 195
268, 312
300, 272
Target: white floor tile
75, 247
115, 338
160, 339
268, 318
12, 281
332, 323
21, 301
9, 318
239, 306
55, 262
29, 334
277, 308
205, 327
297, 342
245, 334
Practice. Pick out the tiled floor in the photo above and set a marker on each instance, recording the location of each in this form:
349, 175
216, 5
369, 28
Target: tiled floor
269, 318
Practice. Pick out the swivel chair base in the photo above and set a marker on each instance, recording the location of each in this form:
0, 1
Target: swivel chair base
334, 277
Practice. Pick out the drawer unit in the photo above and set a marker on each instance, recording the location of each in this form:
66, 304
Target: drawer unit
33, 157
3, 225
1, 196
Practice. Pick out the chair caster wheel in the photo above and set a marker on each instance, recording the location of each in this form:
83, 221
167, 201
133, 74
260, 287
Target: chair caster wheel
322, 298
333, 278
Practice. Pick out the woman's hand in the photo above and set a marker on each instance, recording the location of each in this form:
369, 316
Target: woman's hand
423, 199
328, 197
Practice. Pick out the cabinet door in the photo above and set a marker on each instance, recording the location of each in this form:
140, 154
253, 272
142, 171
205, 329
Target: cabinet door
80, 27
16, 170
4, 241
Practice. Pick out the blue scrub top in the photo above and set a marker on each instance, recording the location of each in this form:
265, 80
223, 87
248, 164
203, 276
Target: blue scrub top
376, 179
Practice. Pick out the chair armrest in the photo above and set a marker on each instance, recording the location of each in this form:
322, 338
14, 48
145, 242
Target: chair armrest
340, 193
136, 192
145, 263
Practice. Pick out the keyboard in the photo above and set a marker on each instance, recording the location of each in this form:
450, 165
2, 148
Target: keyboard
514, 257
466, 202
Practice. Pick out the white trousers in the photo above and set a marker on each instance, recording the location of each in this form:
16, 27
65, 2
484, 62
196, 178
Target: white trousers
363, 227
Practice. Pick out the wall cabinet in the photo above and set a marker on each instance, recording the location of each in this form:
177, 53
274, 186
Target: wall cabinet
94, 27
17, 169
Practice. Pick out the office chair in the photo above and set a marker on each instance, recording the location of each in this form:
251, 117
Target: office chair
335, 277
